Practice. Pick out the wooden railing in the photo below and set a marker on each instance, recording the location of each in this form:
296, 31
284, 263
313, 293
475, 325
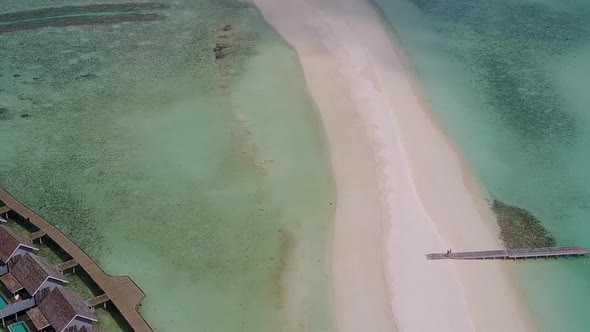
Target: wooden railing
19, 306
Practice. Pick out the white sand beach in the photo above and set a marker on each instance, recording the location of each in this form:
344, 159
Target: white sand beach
402, 189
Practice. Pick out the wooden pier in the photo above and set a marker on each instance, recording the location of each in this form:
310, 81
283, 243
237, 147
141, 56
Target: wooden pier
68, 265
101, 299
549, 252
124, 294
36, 235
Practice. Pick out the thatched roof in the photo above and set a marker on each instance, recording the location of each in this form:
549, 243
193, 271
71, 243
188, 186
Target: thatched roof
61, 306
10, 240
11, 283
38, 319
32, 271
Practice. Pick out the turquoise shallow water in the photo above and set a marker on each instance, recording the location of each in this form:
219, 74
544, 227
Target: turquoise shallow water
18, 327
173, 150
508, 80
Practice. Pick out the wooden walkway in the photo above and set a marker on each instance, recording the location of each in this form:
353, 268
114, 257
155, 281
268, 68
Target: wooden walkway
36, 235
68, 265
101, 299
122, 291
555, 252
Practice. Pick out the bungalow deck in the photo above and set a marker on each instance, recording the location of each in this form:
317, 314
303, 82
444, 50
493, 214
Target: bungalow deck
125, 295
4, 210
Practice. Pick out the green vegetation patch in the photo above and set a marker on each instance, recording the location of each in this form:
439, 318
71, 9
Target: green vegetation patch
18, 226
52, 252
110, 319
519, 228
81, 283
77, 285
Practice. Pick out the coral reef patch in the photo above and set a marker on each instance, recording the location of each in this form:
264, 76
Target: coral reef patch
519, 228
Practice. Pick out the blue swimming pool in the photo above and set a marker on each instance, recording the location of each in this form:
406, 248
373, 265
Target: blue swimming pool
18, 327
3, 302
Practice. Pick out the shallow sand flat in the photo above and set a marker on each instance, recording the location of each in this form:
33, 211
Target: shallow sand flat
402, 189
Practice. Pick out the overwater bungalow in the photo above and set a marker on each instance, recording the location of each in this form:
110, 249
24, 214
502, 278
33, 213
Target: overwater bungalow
27, 284
37, 276
12, 246
62, 311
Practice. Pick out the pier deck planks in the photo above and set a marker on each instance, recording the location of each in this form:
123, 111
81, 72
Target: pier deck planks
68, 265
547, 252
101, 299
36, 235
4, 209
